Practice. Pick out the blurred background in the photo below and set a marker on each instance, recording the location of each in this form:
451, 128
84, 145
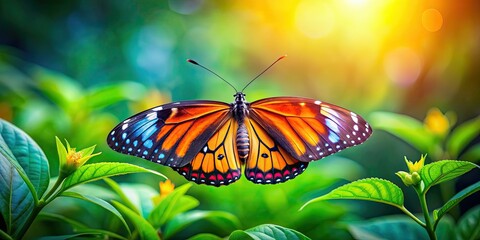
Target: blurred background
74, 69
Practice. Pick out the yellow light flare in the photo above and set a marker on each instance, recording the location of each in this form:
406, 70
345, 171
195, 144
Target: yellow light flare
315, 19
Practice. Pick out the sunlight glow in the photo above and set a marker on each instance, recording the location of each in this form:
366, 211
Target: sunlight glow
315, 19
432, 20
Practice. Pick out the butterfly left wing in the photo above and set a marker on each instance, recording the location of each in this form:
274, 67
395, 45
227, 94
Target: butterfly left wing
309, 129
171, 134
217, 163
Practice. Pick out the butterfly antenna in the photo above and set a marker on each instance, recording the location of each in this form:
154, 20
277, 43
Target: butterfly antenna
200, 65
266, 69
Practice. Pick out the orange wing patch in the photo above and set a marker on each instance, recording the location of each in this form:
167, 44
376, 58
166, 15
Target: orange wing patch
217, 162
268, 163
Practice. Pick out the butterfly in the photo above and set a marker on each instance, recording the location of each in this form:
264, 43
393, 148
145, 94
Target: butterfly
209, 142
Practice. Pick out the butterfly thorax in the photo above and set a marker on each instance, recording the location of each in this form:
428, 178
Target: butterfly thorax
240, 111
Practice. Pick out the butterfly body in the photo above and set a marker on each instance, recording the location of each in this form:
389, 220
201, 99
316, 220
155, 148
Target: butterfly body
209, 142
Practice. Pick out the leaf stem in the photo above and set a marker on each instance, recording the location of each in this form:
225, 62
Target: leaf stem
4, 235
428, 221
53, 189
405, 210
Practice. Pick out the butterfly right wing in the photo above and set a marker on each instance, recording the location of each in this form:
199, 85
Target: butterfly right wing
268, 162
171, 134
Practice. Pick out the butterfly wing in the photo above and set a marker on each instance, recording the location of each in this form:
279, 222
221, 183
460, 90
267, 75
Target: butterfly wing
171, 134
269, 163
309, 129
217, 163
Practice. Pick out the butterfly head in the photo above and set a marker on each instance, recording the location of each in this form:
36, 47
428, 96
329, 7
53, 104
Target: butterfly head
239, 97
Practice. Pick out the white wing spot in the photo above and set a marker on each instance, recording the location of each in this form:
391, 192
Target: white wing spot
318, 102
355, 127
157, 109
124, 126
354, 117
318, 148
205, 149
348, 136
151, 116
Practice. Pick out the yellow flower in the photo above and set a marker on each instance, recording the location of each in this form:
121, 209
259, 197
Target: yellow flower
437, 122
70, 160
413, 176
415, 167
165, 188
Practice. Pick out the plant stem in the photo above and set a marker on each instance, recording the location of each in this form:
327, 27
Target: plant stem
412, 216
37, 208
53, 189
4, 235
428, 221
30, 219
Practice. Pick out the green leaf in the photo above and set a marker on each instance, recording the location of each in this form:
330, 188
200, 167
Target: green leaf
96, 171
369, 189
205, 236
24, 175
472, 154
104, 96
468, 226
438, 213
118, 190
144, 228
78, 227
396, 227
462, 135
165, 210
441, 171
407, 128
83, 235
223, 221
100, 202
268, 232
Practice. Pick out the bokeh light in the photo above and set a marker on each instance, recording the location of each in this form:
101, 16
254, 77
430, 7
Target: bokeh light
432, 20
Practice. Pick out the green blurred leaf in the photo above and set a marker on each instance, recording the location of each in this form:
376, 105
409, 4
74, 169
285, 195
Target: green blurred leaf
369, 189
472, 154
441, 171
104, 96
77, 226
72, 236
267, 232
224, 221
96, 171
396, 227
141, 196
205, 236
63, 90
118, 190
407, 128
100, 202
166, 209
438, 213
468, 226
462, 135
24, 175
145, 230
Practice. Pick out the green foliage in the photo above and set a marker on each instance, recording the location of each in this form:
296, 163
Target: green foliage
469, 225
97, 171
455, 200
405, 127
383, 191
396, 227
441, 171
462, 136
268, 232
25, 173
370, 189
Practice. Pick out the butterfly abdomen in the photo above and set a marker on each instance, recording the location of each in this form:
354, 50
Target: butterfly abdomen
243, 142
